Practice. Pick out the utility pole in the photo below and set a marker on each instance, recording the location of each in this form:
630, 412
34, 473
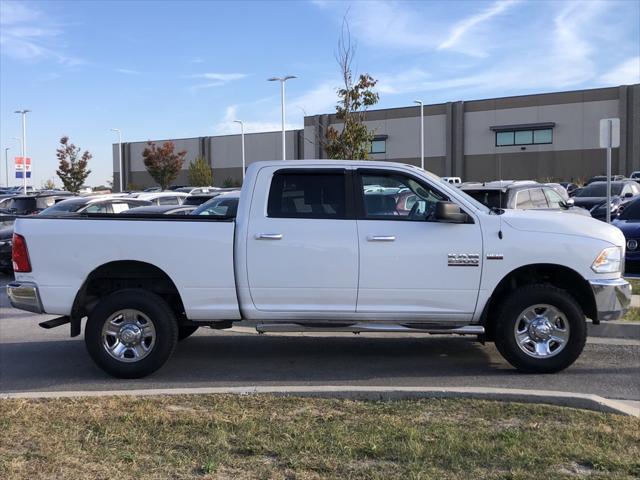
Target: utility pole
119, 154
282, 80
242, 138
419, 102
6, 166
24, 147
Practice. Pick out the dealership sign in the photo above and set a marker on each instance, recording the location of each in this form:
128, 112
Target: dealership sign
21, 165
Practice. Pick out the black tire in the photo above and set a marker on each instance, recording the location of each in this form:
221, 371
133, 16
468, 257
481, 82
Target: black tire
185, 331
508, 315
153, 307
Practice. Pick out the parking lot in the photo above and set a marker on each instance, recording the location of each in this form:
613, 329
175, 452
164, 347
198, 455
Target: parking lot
34, 359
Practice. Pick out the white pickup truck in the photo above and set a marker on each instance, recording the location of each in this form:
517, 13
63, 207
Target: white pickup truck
325, 246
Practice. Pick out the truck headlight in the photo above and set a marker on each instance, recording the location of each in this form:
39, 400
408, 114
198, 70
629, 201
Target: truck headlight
608, 260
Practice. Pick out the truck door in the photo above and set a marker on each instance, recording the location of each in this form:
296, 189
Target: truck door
412, 266
302, 250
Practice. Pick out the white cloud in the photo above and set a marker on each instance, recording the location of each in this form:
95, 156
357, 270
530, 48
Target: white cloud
626, 73
28, 35
227, 127
214, 79
461, 28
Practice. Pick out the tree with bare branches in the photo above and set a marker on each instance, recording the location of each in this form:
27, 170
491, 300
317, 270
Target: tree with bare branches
163, 164
72, 169
355, 97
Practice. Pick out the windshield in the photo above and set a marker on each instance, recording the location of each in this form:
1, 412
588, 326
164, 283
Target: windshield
631, 211
63, 207
220, 206
599, 190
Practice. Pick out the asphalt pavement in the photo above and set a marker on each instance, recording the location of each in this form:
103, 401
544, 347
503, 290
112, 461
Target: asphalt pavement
33, 359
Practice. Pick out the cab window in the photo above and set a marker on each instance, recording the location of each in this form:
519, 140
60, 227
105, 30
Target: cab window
308, 194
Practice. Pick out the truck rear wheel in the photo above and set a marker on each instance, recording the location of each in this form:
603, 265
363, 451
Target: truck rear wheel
131, 333
540, 329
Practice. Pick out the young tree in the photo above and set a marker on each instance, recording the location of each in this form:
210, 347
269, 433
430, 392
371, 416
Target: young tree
49, 185
200, 174
163, 164
72, 168
352, 142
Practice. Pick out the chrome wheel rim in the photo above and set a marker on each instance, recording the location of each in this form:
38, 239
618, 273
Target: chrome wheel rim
541, 331
128, 335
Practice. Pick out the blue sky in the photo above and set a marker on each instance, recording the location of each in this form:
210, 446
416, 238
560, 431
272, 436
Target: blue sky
170, 69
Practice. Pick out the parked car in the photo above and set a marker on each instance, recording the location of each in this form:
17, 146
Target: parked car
95, 204
70, 206
635, 176
197, 190
521, 195
452, 180
305, 252
35, 203
161, 210
570, 187
593, 197
629, 222
224, 205
603, 178
162, 198
6, 234
199, 199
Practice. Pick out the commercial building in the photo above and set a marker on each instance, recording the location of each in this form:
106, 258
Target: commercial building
550, 136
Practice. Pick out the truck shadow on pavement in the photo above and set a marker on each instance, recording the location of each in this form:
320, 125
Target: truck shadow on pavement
228, 359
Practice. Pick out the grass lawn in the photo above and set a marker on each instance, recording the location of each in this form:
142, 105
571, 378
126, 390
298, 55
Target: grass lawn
635, 285
239, 437
633, 315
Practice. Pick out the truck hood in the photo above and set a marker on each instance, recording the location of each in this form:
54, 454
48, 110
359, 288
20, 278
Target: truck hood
545, 221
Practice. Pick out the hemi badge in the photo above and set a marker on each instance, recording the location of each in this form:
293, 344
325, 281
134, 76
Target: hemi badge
495, 256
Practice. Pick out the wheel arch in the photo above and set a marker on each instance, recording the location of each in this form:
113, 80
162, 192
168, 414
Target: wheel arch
559, 276
123, 274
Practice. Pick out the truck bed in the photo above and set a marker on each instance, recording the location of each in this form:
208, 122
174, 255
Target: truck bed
195, 252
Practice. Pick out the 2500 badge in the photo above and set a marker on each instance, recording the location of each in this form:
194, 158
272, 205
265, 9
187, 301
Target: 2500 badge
463, 259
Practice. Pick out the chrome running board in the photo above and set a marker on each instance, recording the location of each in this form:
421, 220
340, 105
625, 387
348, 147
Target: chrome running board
371, 327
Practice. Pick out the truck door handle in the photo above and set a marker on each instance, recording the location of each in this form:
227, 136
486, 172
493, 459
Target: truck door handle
268, 236
381, 238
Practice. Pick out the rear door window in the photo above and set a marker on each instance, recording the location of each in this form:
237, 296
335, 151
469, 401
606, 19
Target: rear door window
304, 194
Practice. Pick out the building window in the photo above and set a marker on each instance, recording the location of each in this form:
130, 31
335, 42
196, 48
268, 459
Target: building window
539, 136
378, 145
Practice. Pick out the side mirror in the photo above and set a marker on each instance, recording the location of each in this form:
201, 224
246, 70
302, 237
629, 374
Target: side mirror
449, 212
628, 195
569, 203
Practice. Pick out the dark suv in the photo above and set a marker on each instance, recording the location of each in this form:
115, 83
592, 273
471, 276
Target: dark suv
521, 195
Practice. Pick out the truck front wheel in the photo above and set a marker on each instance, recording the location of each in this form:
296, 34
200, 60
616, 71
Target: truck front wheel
540, 329
131, 333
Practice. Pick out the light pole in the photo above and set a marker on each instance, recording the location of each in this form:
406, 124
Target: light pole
6, 165
24, 147
242, 137
419, 102
119, 154
282, 80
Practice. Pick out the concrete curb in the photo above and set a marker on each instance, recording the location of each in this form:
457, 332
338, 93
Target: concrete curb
617, 329
564, 399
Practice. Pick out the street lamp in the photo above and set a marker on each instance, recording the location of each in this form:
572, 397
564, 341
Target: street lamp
119, 154
24, 147
242, 137
282, 80
419, 102
6, 165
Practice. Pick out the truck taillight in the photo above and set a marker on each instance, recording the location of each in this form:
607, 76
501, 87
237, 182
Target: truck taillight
20, 254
